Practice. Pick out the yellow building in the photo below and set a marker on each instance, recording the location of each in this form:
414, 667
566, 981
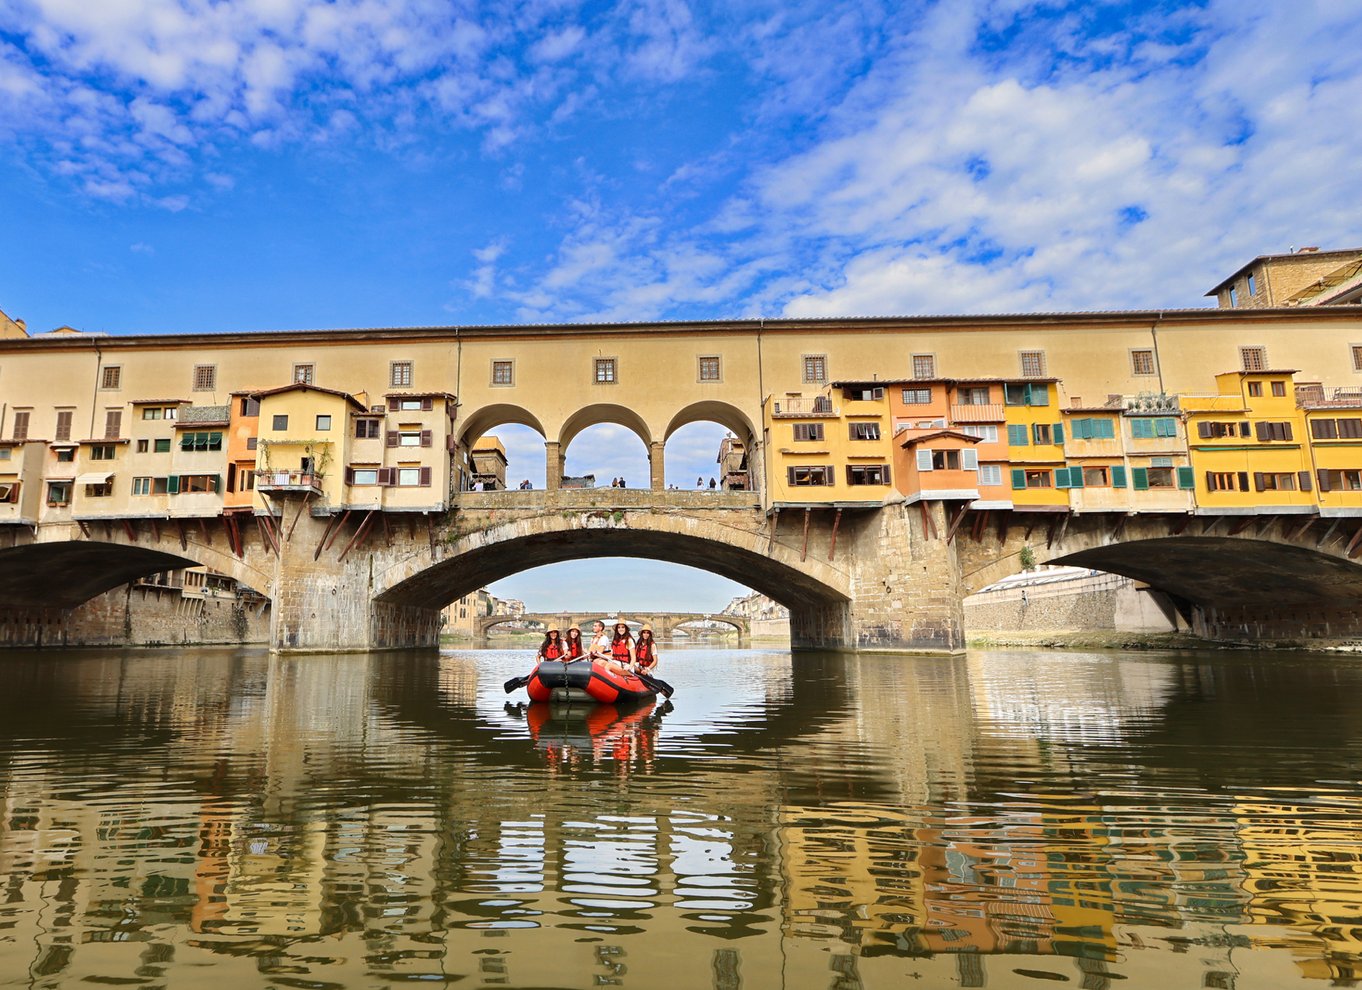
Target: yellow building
1247, 445
1333, 422
830, 448
1035, 444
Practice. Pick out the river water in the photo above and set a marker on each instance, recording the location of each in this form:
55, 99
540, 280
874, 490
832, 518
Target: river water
1006, 819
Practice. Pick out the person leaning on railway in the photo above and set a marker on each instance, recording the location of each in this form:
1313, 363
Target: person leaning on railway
622, 647
553, 647
645, 651
600, 641
573, 646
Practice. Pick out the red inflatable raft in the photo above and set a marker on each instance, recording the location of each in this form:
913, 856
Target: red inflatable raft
554, 680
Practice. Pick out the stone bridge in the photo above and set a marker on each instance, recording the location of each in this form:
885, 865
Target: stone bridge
664, 623
890, 577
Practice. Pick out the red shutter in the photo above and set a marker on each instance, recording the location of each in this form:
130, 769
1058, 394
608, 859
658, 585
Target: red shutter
393, 438
425, 438
425, 477
427, 405
385, 476
1304, 477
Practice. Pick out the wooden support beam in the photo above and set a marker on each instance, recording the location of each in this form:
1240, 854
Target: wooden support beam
265, 535
1030, 525
203, 528
1212, 524
956, 520
928, 524
1350, 550
1242, 525
387, 533
130, 529
272, 531
804, 550
84, 529
980, 521
360, 532
430, 534
1119, 528
326, 533
233, 529
1183, 523
340, 526
1004, 524
1300, 530
1050, 533
184, 539
836, 523
771, 539
1064, 526
1327, 533
301, 506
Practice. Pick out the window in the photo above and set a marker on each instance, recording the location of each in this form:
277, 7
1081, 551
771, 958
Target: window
250, 406
201, 441
410, 438
1279, 389
1040, 433
1142, 362
1333, 429
5, 453
195, 483
99, 491
1160, 477
66, 455
409, 476
9, 492
152, 412
112, 378
1022, 478
864, 431
161, 446
1095, 477
917, 396
869, 394
367, 429
924, 365
141, 486
974, 395
252, 443
414, 405
1275, 482
323, 423
302, 373
1017, 435
945, 460
709, 369
63, 425
804, 477
364, 476
987, 432
1032, 363
1217, 431
1253, 358
280, 422
1357, 357
1340, 480
205, 377
399, 374
503, 373
815, 369
1149, 427
867, 474
113, 423
20, 430
1252, 285
143, 446
1272, 431
990, 474
606, 372
808, 431
1234, 296
1026, 394
245, 473
59, 493
1255, 389
103, 452
1222, 481
1092, 429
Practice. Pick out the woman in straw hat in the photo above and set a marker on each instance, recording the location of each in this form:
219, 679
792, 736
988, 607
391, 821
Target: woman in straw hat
622, 645
553, 647
645, 651
573, 644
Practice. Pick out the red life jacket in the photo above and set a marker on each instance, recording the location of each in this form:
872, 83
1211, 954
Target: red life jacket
644, 652
619, 650
573, 648
553, 651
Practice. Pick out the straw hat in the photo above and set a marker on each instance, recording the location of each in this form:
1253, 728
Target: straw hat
553, 629
646, 628
573, 627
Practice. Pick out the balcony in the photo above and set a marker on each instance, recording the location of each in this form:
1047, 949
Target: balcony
802, 408
991, 412
288, 482
1314, 397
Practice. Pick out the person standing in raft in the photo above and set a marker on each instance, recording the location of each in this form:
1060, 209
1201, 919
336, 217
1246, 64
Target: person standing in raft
645, 651
553, 647
573, 644
622, 646
600, 641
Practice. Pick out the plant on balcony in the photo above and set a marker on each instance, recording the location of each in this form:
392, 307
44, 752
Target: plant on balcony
318, 451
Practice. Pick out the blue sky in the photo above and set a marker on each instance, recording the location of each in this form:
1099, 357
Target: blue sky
195, 165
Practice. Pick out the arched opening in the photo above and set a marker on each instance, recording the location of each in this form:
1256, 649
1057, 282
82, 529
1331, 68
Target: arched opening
595, 443
710, 441
502, 446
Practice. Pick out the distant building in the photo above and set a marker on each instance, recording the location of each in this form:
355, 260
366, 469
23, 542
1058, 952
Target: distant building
461, 617
1307, 277
733, 468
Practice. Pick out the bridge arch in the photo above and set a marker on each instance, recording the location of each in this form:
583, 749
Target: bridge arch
477, 559
729, 416
487, 418
604, 412
64, 574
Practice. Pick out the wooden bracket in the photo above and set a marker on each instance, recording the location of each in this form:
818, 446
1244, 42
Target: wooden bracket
928, 524
1183, 523
321, 544
130, 529
84, 529
1351, 550
1300, 530
771, 540
1242, 525
1327, 533
1119, 528
804, 550
360, 532
836, 522
301, 506
1004, 524
956, 520
184, 539
1212, 524
1050, 533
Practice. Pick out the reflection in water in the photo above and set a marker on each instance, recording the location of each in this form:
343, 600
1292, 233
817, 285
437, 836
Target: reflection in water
224, 818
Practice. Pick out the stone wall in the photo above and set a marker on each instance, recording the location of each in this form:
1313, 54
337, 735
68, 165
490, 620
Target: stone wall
135, 615
1088, 603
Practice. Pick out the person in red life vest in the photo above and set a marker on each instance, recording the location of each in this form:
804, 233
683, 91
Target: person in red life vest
553, 647
622, 646
645, 651
573, 646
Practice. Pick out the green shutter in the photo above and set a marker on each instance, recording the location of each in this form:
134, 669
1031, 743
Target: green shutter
173, 485
1165, 426
1018, 478
1016, 436
1076, 476
1026, 395
1140, 429
1139, 478
1118, 476
1058, 433
1104, 429
1080, 429
1038, 395
217, 483
1061, 477
1185, 478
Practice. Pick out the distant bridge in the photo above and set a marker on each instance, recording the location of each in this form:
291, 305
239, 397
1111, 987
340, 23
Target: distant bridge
664, 624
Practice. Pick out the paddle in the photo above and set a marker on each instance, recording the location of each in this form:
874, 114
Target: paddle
656, 683
516, 683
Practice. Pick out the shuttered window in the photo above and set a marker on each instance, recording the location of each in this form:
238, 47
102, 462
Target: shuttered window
113, 423
63, 425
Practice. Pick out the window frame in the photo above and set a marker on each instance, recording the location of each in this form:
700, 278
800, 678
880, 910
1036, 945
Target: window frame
605, 371
929, 357
494, 373
855, 428
813, 369
304, 374
1249, 354
116, 372
1034, 354
925, 395
707, 363
1138, 354
401, 373
813, 433
205, 378
326, 426
279, 423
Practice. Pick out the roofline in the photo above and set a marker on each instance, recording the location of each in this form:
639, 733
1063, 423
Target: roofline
1083, 320
1341, 253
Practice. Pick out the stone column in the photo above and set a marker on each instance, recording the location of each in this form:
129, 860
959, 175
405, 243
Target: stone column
553, 464
656, 466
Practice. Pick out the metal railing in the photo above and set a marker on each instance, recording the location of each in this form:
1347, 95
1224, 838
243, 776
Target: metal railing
818, 405
990, 412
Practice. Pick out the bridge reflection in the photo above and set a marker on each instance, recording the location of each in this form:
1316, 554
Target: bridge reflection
386, 817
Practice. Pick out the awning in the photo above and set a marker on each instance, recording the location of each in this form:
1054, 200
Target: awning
94, 478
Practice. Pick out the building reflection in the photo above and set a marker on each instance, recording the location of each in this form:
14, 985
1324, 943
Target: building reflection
834, 824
